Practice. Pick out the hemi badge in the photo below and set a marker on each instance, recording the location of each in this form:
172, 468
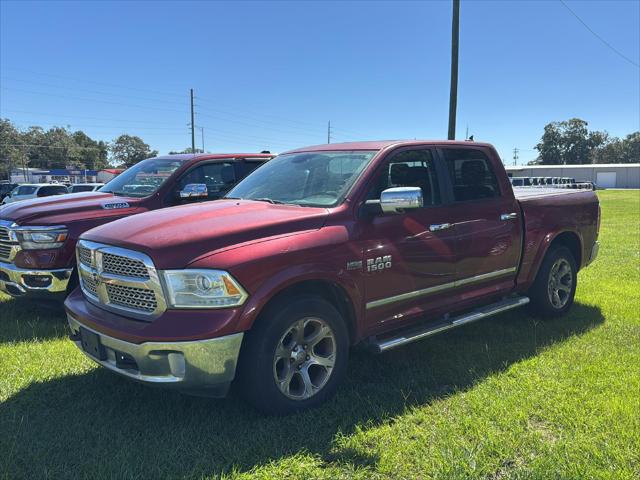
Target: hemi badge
354, 265
115, 206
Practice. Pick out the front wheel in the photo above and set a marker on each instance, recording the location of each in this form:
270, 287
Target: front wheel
294, 357
553, 291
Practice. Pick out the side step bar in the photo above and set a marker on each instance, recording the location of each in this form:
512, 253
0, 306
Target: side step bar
403, 337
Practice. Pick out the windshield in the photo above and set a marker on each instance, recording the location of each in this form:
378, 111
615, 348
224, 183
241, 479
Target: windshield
143, 178
26, 190
319, 179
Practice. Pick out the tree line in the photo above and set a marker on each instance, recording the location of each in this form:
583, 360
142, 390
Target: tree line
59, 147
570, 142
562, 143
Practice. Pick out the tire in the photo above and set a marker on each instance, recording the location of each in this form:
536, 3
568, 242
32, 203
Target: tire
553, 291
281, 370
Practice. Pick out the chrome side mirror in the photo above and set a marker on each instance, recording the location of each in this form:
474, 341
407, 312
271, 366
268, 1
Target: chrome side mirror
194, 190
398, 199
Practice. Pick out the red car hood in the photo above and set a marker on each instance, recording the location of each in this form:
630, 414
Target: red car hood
175, 237
62, 209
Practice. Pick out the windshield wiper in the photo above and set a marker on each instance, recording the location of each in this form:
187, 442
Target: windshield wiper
268, 200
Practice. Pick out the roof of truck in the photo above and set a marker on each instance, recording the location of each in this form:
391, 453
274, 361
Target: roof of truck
205, 156
380, 144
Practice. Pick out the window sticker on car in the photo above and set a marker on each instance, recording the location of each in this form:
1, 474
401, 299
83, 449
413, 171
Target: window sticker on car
115, 205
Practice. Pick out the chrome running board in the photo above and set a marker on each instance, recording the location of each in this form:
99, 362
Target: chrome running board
397, 339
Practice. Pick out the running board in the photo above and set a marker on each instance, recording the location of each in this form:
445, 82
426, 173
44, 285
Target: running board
403, 337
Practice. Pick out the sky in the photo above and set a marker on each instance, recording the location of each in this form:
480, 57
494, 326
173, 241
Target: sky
271, 75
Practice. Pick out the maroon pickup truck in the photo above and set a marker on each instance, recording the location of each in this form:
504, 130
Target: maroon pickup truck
38, 237
381, 243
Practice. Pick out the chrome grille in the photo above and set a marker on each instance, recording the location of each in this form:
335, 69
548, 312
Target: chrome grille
84, 254
132, 297
5, 251
89, 284
127, 267
4, 235
120, 280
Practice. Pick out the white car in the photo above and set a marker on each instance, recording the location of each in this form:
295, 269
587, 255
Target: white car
85, 187
34, 190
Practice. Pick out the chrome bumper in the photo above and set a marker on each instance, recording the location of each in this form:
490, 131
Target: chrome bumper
201, 366
18, 282
594, 252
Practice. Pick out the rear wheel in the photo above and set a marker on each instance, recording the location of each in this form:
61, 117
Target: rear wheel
294, 357
555, 286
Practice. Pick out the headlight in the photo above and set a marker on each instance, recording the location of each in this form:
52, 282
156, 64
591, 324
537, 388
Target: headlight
202, 289
39, 238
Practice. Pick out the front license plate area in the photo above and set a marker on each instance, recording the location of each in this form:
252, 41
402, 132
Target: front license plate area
91, 344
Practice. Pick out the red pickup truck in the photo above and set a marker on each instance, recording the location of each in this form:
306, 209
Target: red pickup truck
381, 243
38, 237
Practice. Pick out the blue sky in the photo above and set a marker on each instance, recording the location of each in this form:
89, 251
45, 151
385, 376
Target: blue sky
269, 75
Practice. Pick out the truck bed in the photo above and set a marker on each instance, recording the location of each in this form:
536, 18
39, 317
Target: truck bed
549, 210
526, 193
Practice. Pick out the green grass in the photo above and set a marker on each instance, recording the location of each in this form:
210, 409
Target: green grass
509, 397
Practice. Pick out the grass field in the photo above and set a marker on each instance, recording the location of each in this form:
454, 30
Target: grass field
508, 397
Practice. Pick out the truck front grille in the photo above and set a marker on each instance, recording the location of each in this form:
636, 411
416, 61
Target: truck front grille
84, 255
132, 297
120, 280
127, 267
5, 251
4, 235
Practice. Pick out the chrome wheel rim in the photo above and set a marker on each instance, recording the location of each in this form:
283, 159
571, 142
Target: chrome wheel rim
560, 283
304, 358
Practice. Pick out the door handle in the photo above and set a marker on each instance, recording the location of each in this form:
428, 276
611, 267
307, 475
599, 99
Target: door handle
508, 216
440, 226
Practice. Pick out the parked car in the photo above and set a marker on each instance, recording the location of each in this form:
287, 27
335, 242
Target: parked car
38, 238
85, 187
377, 243
521, 181
6, 188
27, 191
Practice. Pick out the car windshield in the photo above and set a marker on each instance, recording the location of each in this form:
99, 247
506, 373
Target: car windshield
26, 190
318, 179
143, 178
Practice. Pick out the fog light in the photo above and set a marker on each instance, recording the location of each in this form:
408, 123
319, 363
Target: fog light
37, 281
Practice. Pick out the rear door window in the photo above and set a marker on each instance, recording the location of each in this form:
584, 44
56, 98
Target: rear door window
471, 174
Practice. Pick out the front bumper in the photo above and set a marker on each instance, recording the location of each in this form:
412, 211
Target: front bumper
18, 282
200, 366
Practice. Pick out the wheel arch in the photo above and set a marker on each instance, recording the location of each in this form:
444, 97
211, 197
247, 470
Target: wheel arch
337, 294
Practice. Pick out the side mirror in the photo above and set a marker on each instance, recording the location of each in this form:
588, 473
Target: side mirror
398, 199
194, 191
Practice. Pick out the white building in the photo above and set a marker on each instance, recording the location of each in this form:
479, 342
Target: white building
607, 175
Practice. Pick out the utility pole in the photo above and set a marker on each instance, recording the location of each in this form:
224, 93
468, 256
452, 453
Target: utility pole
453, 93
329, 132
24, 164
515, 156
193, 127
202, 132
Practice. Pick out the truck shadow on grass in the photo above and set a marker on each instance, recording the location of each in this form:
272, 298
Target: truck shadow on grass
101, 426
24, 320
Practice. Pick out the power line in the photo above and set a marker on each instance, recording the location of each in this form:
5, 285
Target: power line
611, 47
91, 99
74, 79
98, 92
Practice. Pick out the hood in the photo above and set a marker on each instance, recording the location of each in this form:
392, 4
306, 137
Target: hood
175, 237
62, 209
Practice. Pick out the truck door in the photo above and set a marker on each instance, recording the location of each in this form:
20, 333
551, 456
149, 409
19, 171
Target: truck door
408, 257
487, 224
